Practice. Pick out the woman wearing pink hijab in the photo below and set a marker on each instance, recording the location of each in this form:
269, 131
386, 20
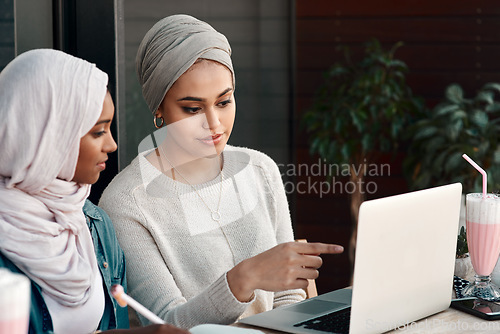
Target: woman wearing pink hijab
54, 142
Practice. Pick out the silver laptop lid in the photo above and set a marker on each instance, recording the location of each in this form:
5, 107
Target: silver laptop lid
404, 258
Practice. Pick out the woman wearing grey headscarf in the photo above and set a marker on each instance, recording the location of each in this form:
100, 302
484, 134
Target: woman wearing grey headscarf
205, 226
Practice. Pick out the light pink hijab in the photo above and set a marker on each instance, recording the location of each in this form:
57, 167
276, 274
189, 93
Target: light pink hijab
48, 101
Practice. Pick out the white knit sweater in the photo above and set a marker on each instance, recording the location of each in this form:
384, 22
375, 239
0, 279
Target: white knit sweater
177, 256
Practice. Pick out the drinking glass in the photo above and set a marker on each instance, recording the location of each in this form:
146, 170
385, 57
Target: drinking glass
483, 240
15, 295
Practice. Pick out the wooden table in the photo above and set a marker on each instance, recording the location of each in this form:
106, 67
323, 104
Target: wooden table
449, 321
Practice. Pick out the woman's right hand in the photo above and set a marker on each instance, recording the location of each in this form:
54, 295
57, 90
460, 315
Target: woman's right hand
283, 267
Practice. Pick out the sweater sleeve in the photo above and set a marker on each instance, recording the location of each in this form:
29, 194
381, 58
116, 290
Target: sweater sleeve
151, 283
283, 229
276, 191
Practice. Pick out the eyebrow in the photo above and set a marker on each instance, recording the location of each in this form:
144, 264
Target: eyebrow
103, 121
198, 99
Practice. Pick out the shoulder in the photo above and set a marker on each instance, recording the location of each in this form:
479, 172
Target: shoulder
128, 178
98, 218
122, 185
242, 159
93, 211
250, 156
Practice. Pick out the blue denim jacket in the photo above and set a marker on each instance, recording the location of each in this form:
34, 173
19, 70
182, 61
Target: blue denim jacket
111, 263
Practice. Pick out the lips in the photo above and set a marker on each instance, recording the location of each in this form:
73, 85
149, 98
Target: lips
213, 139
102, 165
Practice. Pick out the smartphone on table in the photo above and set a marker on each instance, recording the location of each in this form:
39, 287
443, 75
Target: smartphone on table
479, 307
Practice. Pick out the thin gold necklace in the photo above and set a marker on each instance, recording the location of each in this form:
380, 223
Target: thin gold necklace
214, 214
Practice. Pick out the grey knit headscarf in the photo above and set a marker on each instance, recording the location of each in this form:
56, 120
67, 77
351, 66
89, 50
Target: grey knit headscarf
170, 48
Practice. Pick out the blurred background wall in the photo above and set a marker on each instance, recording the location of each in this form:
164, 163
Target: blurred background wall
444, 42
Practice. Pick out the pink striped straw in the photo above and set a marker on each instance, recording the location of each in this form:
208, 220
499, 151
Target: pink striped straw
476, 166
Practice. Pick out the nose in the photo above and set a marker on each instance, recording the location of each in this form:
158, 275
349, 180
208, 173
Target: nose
211, 121
110, 144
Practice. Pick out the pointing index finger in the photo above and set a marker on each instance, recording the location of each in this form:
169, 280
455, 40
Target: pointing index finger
319, 248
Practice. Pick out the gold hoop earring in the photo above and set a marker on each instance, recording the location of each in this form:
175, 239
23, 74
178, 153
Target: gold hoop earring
156, 123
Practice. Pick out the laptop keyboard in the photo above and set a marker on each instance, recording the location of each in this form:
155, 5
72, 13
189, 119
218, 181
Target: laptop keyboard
335, 322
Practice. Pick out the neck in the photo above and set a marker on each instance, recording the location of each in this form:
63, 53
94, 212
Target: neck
178, 165
198, 171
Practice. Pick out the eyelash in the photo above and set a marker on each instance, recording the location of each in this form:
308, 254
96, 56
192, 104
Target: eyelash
225, 102
99, 134
194, 110
191, 110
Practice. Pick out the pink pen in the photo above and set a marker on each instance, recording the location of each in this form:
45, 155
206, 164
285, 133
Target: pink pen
123, 300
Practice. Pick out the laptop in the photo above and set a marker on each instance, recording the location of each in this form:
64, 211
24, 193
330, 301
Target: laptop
403, 272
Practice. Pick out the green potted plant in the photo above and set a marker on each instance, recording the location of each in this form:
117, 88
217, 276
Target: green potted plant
453, 127
361, 111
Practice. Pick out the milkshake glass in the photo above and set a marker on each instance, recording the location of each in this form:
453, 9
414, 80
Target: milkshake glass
483, 240
15, 296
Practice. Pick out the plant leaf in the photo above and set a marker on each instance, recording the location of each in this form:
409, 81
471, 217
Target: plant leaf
492, 86
480, 118
485, 96
454, 93
492, 108
444, 109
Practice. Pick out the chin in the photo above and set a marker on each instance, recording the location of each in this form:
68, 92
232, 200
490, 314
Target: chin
91, 179
94, 181
220, 149
204, 151
213, 156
